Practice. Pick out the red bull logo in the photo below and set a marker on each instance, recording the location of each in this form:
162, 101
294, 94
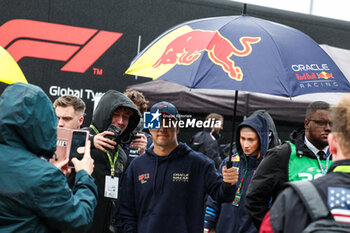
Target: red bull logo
325, 75
235, 158
187, 48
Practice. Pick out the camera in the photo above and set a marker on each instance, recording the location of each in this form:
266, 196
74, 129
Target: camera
128, 138
117, 131
133, 135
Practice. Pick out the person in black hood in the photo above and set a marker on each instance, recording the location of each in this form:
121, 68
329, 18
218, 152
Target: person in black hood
114, 118
298, 159
164, 189
252, 142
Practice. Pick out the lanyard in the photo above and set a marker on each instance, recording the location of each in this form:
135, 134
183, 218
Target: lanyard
323, 171
245, 173
111, 163
238, 193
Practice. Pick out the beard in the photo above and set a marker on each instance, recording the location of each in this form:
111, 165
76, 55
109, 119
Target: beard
317, 141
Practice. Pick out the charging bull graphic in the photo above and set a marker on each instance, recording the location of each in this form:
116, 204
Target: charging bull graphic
187, 48
325, 75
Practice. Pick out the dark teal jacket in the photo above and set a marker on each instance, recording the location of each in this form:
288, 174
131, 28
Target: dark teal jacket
34, 195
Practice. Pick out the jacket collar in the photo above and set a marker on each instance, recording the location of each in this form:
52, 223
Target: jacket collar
341, 166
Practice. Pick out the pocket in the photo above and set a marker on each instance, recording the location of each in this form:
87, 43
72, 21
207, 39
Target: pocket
163, 223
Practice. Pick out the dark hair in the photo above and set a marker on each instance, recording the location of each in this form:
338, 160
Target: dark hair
314, 106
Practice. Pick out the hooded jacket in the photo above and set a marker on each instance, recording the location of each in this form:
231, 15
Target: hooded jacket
34, 195
272, 175
102, 118
225, 216
204, 142
166, 193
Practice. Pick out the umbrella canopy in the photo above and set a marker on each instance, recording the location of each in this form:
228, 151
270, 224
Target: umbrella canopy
221, 101
240, 53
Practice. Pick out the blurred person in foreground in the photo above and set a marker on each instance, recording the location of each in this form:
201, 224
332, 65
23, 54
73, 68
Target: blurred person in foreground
288, 214
35, 196
305, 157
252, 140
164, 188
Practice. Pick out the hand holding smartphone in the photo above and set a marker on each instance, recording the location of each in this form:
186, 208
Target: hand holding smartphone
87, 163
79, 140
70, 144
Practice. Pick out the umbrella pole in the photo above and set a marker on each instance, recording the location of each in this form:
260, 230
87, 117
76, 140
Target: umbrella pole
229, 162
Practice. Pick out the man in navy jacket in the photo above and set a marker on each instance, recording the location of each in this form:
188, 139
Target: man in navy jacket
252, 143
166, 186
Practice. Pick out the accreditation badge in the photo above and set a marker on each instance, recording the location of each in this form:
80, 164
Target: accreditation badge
237, 199
111, 187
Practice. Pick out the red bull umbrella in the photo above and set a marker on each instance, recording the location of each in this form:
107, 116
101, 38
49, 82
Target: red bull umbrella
240, 53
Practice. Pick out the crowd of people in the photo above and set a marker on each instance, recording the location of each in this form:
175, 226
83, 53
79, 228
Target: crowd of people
129, 180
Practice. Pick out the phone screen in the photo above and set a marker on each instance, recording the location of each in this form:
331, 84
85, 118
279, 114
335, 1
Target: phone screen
78, 140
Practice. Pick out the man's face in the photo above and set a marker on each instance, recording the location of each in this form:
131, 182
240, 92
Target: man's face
249, 141
317, 128
68, 117
166, 136
219, 128
121, 118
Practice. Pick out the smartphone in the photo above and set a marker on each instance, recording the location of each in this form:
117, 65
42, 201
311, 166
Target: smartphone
78, 142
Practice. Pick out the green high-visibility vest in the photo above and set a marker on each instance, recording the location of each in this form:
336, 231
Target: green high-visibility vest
303, 167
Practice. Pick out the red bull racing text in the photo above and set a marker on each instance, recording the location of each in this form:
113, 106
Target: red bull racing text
187, 48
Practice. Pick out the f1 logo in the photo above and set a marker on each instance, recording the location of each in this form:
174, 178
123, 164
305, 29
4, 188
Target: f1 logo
81, 47
151, 120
